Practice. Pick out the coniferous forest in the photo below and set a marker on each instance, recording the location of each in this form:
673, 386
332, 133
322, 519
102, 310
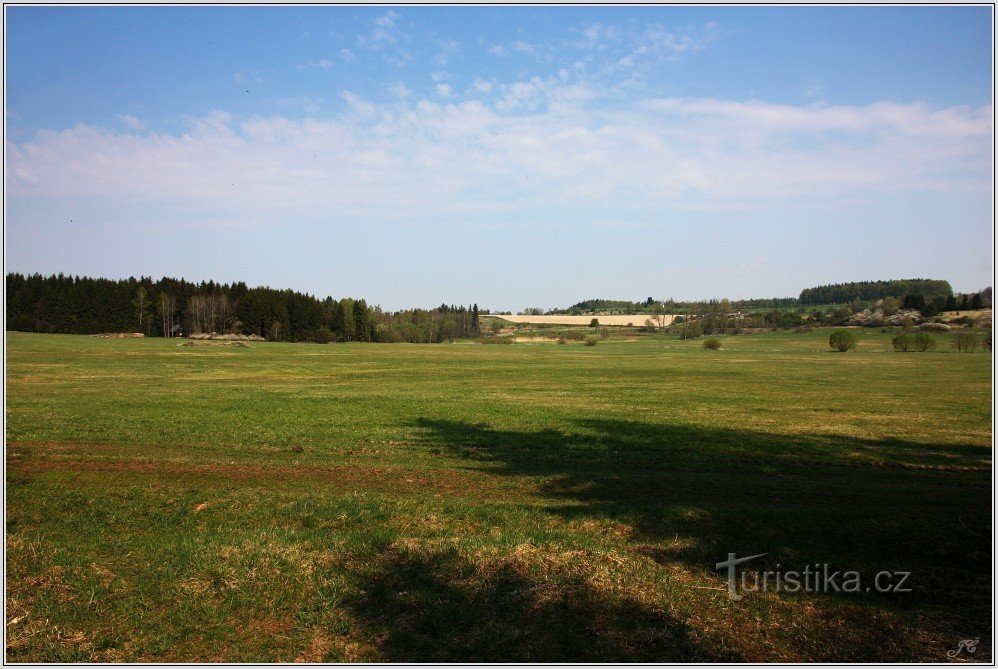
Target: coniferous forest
175, 307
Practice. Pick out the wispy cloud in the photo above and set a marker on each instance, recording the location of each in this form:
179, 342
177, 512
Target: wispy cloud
387, 20
319, 64
254, 76
131, 122
399, 90
478, 152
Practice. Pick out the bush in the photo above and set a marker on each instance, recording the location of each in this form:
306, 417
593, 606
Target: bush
843, 340
903, 343
604, 333
690, 330
712, 343
591, 341
594, 323
562, 340
924, 342
322, 335
965, 342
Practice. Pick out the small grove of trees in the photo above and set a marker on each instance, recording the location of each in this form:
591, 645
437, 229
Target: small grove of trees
843, 340
920, 341
967, 342
690, 329
429, 326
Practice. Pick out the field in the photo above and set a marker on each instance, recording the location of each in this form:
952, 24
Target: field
461, 502
636, 320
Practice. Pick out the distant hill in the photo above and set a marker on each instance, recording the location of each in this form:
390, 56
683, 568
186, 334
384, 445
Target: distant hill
840, 293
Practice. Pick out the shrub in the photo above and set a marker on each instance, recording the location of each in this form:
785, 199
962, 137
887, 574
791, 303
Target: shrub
924, 342
323, 335
591, 341
562, 340
843, 340
903, 342
604, 333
712, 343
965, 342
594, 323
690, 330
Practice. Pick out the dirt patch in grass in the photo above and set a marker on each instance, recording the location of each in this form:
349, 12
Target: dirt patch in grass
441, 481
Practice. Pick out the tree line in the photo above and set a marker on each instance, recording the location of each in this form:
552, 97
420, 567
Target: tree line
866, 291
175, 307
671, 306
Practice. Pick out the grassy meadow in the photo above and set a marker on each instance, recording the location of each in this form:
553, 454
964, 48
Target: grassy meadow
463, 502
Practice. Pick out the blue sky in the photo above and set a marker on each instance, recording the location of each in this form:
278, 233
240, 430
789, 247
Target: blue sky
509, 156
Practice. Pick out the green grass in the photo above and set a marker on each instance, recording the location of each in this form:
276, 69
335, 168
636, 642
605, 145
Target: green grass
460, 502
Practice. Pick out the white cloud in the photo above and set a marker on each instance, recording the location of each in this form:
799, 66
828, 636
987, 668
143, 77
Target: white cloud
131, 122
347, 54
376, 159
387, 20
386, 35
400, 59
252, 76
358, 104
439, 76
443, 90
497, 50
596, 36
482, 86
399, 90
320, 64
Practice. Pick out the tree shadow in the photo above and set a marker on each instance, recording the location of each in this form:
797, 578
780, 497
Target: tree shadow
693, 494
440, 607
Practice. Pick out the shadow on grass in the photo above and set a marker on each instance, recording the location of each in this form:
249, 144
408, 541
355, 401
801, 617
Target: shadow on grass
855, 504
439, 607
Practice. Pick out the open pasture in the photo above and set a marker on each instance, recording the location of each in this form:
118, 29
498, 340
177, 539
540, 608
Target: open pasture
460, 502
